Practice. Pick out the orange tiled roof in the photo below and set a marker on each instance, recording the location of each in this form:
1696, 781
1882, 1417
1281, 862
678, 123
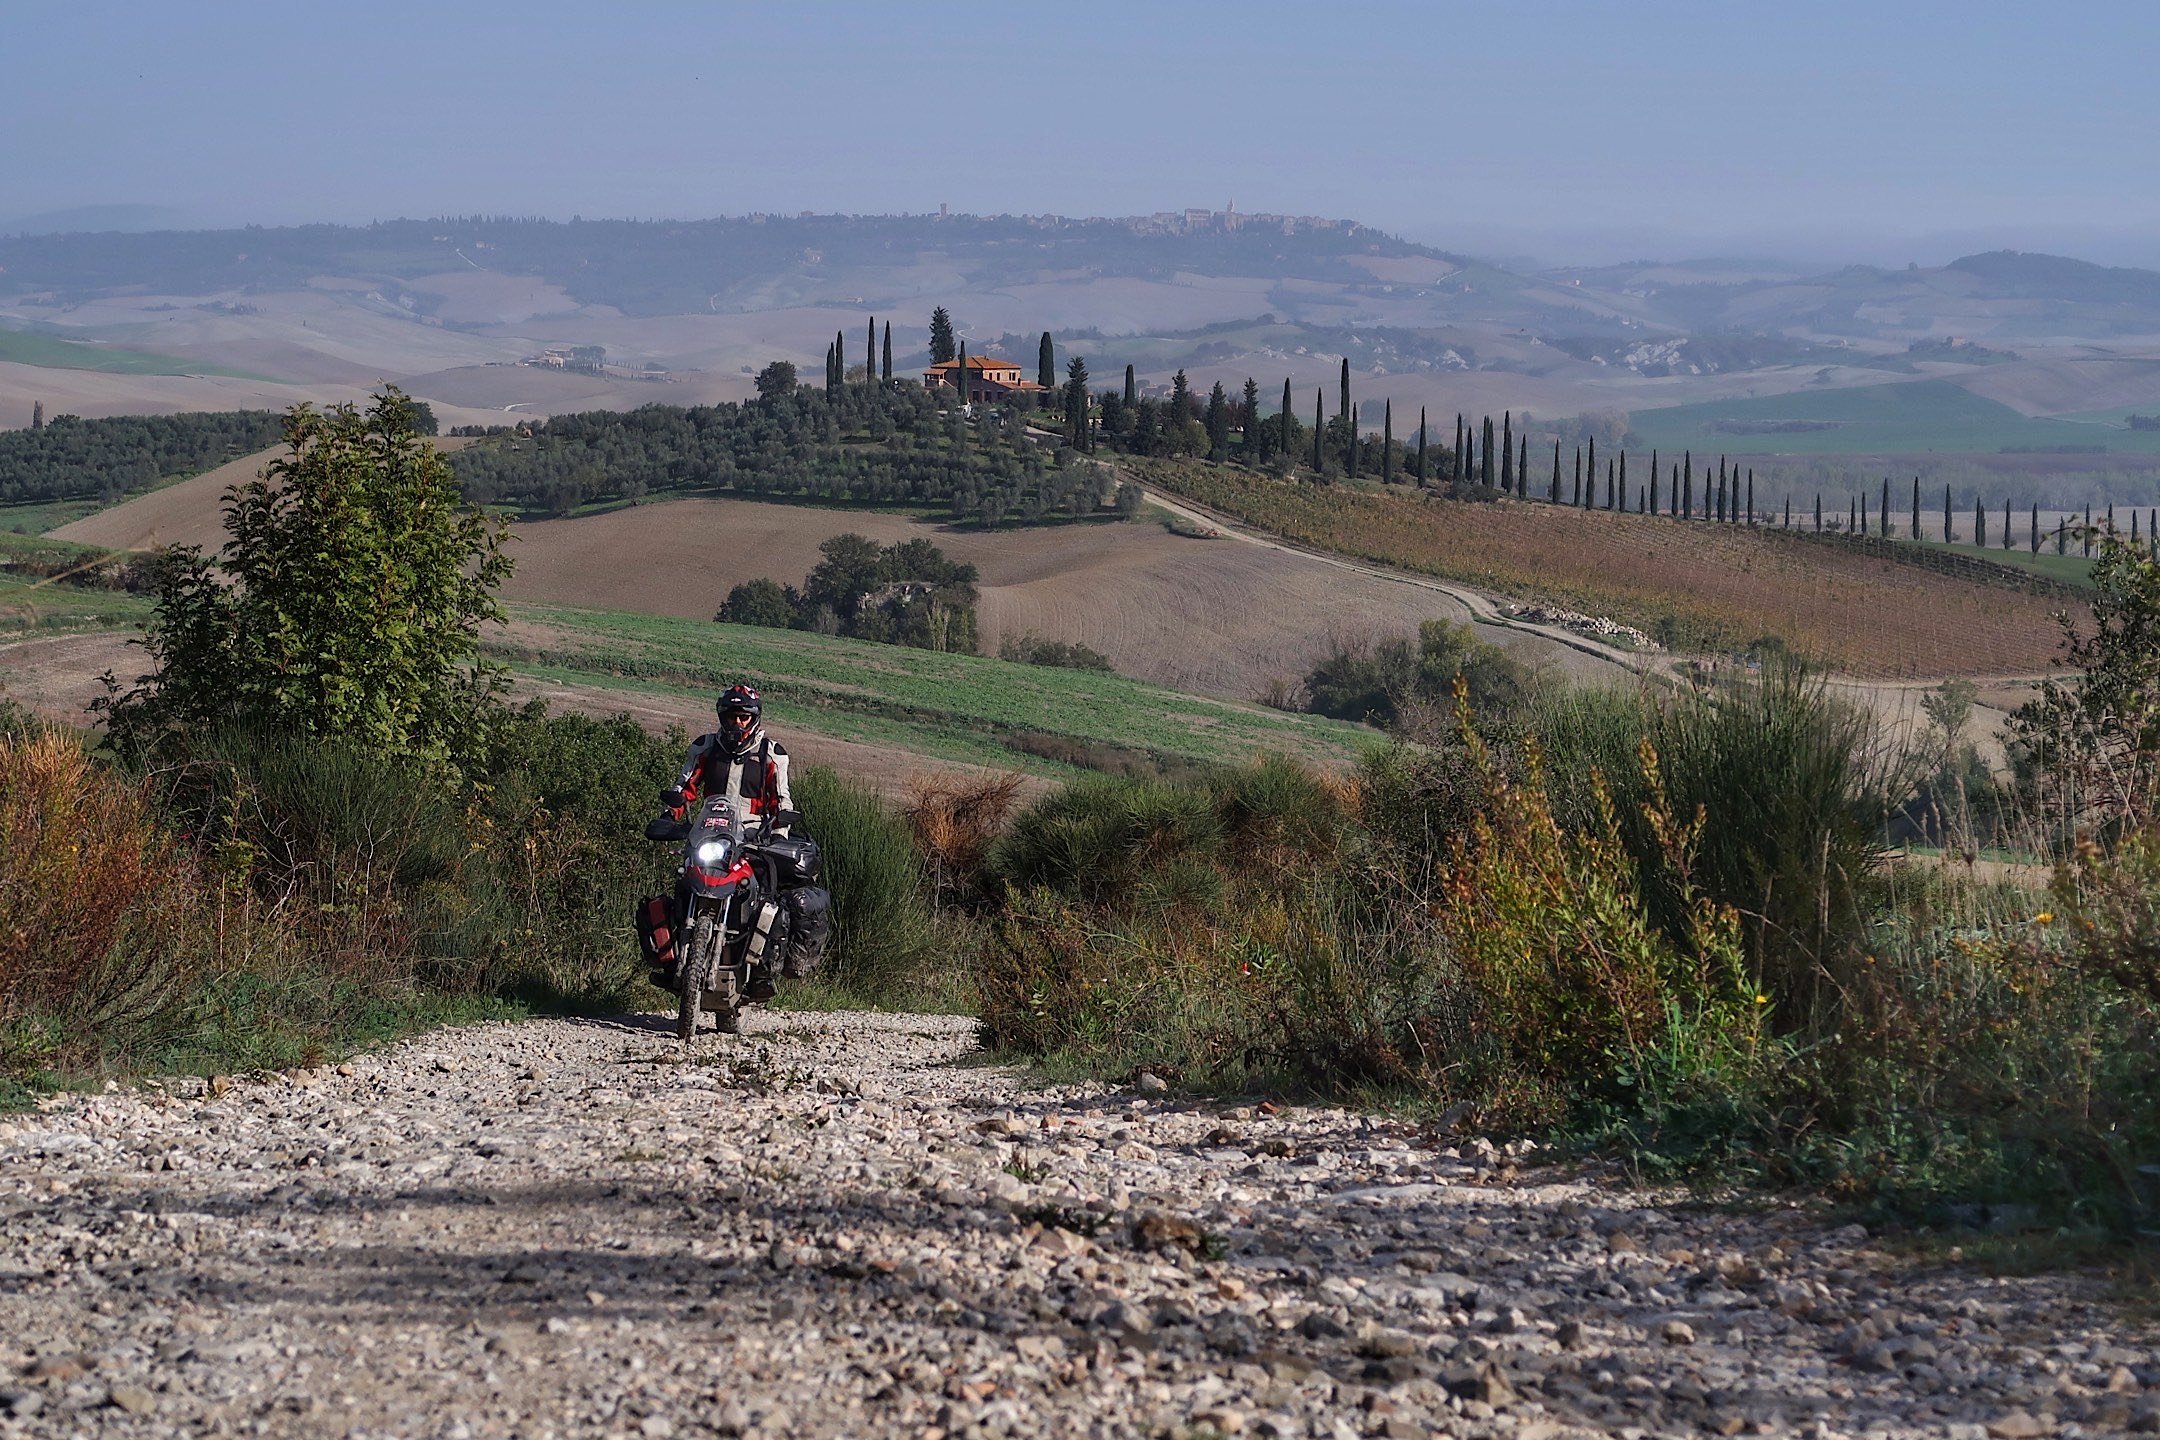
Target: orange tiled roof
978, 362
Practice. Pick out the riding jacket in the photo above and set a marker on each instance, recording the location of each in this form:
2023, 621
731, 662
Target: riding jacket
755, 782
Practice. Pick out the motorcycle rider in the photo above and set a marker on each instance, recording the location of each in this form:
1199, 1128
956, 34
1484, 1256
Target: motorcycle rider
739, 760
746, 766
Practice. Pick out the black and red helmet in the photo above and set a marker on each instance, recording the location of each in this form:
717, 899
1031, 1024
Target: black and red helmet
741, 710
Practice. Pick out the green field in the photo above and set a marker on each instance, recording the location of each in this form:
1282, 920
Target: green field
2070, 569
24, 348
33, 597
1923, 416
38, 516
959, 707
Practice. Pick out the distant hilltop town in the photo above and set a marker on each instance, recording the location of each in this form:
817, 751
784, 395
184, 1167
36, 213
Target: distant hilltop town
1162, 222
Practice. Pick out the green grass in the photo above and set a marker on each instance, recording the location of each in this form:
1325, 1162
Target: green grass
2070, 569
36, 602
960, 706
1924, 415
21, 347
36, 517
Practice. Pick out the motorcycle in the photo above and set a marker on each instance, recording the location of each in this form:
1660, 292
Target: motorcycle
730, 927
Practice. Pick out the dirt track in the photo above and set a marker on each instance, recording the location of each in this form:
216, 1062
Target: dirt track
828, 1228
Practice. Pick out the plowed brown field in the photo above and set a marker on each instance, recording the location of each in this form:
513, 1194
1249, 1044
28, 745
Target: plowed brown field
1209, 616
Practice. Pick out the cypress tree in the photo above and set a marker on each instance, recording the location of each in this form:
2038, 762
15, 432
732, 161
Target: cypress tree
1387, 443
1522, 465
1751, 495
1818, 512
1485, 448
1287, 418
1947, 537
1687, 484
1863, 515
1623, 482
1046, 363
1886, 508
1507, 451
1349, 417
941, 336
1576, 499
2035, 532
1788, 510
1852, 516
1916, 507
828, 370
1979, 523
1608, 482
1455, 470
1589, 499
839, 358
1421, 476
37, 415
2062, 536
1132, 394
1319, 398
1652, 508
1719, 513
2088, 531
869, 355
1556, 472
1249, 445
2006, 525
888, 352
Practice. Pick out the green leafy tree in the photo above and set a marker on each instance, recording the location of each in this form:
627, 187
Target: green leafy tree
2095, 733
347, 602
943, 346
758, 602
776, 379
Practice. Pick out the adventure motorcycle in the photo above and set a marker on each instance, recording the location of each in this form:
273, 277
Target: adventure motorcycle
744, 910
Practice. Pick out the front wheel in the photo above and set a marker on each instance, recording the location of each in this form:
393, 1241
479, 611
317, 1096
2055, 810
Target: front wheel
690, 984
720, 980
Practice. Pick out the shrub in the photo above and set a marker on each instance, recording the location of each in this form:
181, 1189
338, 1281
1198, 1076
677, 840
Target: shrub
954, 821
94, 898
1793, 787
1387, 683
1032, 649
884, 943
1581, 991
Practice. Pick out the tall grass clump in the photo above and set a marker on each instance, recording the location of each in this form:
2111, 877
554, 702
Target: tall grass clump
887, 945
1790, 789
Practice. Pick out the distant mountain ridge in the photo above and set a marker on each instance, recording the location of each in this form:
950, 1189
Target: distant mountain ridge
652, 267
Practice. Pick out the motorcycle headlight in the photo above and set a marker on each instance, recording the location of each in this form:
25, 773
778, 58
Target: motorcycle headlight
713, 854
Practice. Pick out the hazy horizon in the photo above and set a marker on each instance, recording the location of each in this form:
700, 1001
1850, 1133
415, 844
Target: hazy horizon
1567, 130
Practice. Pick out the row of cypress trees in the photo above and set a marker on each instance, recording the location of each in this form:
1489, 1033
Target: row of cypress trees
836, 355
1497, 458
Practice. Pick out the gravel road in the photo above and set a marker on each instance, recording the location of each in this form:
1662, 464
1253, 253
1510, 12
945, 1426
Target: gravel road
841, 1225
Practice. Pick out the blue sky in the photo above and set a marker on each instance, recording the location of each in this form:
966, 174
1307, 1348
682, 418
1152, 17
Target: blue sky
1658, 126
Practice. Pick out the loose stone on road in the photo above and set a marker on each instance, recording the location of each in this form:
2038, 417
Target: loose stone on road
843, 1225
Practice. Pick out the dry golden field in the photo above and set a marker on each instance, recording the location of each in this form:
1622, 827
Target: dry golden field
1857, 614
